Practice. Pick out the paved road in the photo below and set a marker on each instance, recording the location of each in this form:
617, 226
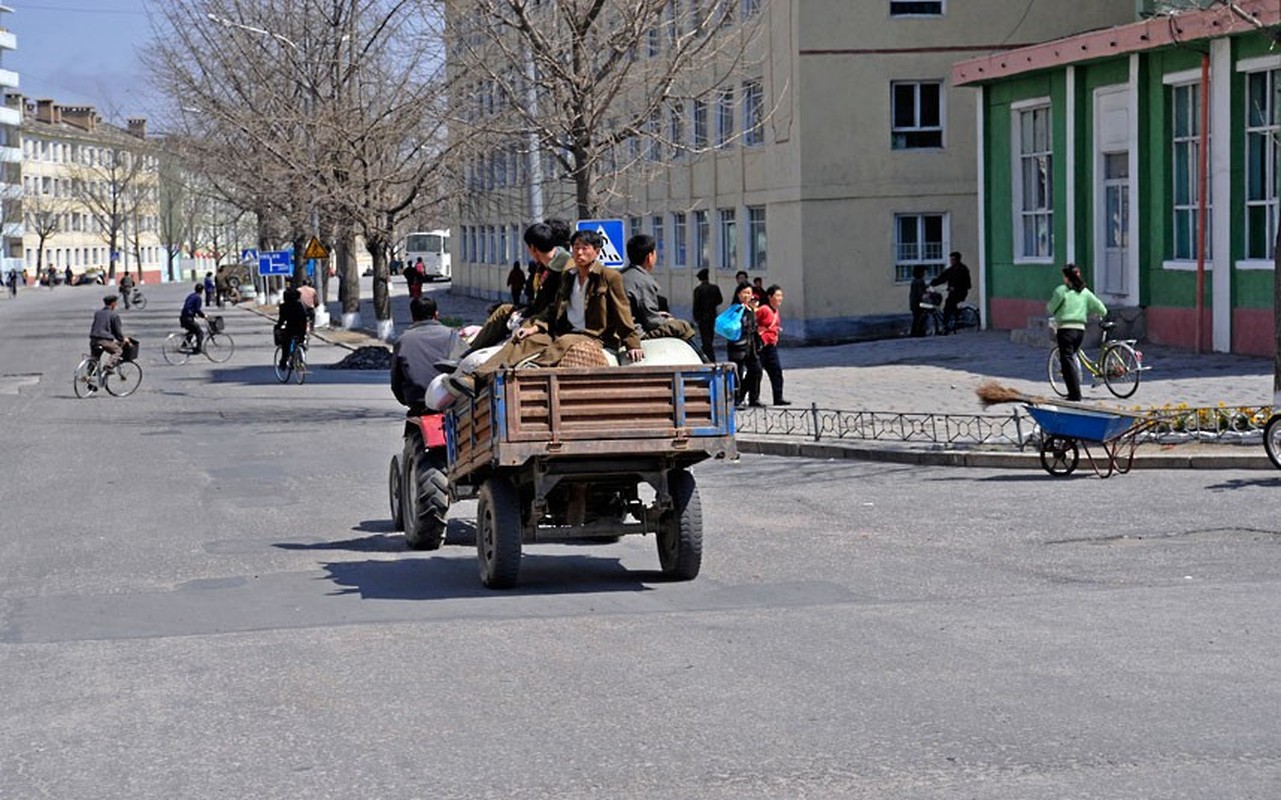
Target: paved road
200, 596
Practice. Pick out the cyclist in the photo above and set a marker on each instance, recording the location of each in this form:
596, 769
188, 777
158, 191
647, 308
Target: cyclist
957, 278
126, 290
1071, 304
293, 321
191, 308
106, 334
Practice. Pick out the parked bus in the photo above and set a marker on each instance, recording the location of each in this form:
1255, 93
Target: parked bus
433, 248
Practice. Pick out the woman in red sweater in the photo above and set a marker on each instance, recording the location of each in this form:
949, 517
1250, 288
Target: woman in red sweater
769, 323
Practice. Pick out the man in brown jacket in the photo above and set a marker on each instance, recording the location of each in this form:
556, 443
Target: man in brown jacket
590, 308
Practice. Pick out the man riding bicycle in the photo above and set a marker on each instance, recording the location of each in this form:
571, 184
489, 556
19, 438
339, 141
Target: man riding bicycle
292, 323
191, 308
106, 334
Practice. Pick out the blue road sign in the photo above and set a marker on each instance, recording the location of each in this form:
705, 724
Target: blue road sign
276, 262
613, 252
249, 254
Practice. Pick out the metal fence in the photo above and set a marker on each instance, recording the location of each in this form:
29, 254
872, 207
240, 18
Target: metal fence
1015, 429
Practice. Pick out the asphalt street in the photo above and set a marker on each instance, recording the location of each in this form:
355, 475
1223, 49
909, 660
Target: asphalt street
201, 596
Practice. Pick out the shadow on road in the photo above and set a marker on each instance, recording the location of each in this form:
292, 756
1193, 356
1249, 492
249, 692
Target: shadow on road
1245, 483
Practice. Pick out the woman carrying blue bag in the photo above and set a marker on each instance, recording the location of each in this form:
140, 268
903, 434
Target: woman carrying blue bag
744, 349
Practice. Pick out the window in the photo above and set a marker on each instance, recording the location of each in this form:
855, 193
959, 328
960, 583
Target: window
919, 239
1261, 155
653, 42
917, 114
728, 244
700, 122
679, 240
653, 131
1034, 187
1184, 179
750, 7
660, 240
634, 226
916, 8
702, 240
756, 238
724, 117
753, 113
676, 130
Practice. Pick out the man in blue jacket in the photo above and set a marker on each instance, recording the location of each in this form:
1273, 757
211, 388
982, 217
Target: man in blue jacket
191, 308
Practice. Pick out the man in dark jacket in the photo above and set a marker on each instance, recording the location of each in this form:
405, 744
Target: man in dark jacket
957, 278
414, 356
106, 334
192, 308
707, 300
292, 321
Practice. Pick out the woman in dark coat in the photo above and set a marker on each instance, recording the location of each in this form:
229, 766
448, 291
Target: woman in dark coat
744, 352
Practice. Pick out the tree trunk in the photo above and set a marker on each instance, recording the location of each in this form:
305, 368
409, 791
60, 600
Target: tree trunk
377, 248
351, 281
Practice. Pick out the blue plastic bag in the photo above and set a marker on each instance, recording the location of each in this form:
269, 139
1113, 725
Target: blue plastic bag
729, 323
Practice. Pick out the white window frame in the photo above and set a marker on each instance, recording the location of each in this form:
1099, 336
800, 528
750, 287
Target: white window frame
659, 231
702, 239
724, 117
753, 113
680, 240
727, 239
917, 127
1020, 161
1189, 79
1271, 66
757, 256
921, 255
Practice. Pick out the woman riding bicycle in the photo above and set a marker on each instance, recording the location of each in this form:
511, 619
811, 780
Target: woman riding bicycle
1071, 304
291, 324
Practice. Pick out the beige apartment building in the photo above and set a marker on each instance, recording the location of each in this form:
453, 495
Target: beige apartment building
10, 153
837, 161
78, 173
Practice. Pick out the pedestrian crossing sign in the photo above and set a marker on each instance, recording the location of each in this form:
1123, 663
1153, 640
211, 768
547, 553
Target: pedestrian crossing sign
612, 252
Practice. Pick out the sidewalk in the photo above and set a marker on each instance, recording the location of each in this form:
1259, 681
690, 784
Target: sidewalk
939, 375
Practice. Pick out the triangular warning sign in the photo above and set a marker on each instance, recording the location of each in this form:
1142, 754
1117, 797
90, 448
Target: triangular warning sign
609, 252
315, 249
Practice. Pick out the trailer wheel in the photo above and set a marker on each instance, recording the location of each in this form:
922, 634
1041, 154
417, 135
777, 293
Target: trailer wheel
393, 494
498, 533
425, 501
680, 530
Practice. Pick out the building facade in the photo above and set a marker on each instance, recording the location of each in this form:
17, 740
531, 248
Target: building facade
835, 161
82, 177
10, 154
1090, 152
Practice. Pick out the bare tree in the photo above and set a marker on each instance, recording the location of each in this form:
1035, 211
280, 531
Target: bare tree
327, 106
589, 83
104, 184
44, 215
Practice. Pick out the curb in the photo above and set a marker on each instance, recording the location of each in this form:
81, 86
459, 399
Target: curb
319, 333
991, 459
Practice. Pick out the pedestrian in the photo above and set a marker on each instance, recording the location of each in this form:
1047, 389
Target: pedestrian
1071, 304
916, 296
707, 301
11, 280
126, 289
516, 282
744, 352
957, 278
415, 274
758, 290
67, 275
769, 322
211, 290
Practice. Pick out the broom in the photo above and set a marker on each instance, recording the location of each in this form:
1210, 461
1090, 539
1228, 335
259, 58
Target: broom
991, 393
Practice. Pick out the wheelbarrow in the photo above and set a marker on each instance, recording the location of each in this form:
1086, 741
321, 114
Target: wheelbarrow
1067, 431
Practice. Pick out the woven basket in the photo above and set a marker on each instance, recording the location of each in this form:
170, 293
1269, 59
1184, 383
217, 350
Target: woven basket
584, 354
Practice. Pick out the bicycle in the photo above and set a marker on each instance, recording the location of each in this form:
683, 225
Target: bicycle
1272, 439
295, 364
120, 380
217, 346
137, 300
1119, 366
967, 315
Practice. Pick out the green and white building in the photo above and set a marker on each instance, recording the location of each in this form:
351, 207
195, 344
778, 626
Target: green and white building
1089, 151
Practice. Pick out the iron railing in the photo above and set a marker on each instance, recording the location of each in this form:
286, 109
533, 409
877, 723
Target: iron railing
1015, 429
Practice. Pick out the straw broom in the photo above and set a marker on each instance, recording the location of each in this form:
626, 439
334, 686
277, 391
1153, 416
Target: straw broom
992, 393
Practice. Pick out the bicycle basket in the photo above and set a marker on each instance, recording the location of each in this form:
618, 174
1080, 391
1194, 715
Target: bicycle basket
932, 299
130, 351
215, 324
282, 336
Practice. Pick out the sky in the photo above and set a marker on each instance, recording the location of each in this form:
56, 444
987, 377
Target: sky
83, 52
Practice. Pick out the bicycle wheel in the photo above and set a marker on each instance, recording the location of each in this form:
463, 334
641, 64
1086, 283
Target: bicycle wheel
282, 373
174, 351
1272, 440
967, 317
139, 302
300, 365
1055, 369
219, 347
1121, 373
123, 379
85, 381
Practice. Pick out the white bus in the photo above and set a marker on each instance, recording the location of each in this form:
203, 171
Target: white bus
433, 248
